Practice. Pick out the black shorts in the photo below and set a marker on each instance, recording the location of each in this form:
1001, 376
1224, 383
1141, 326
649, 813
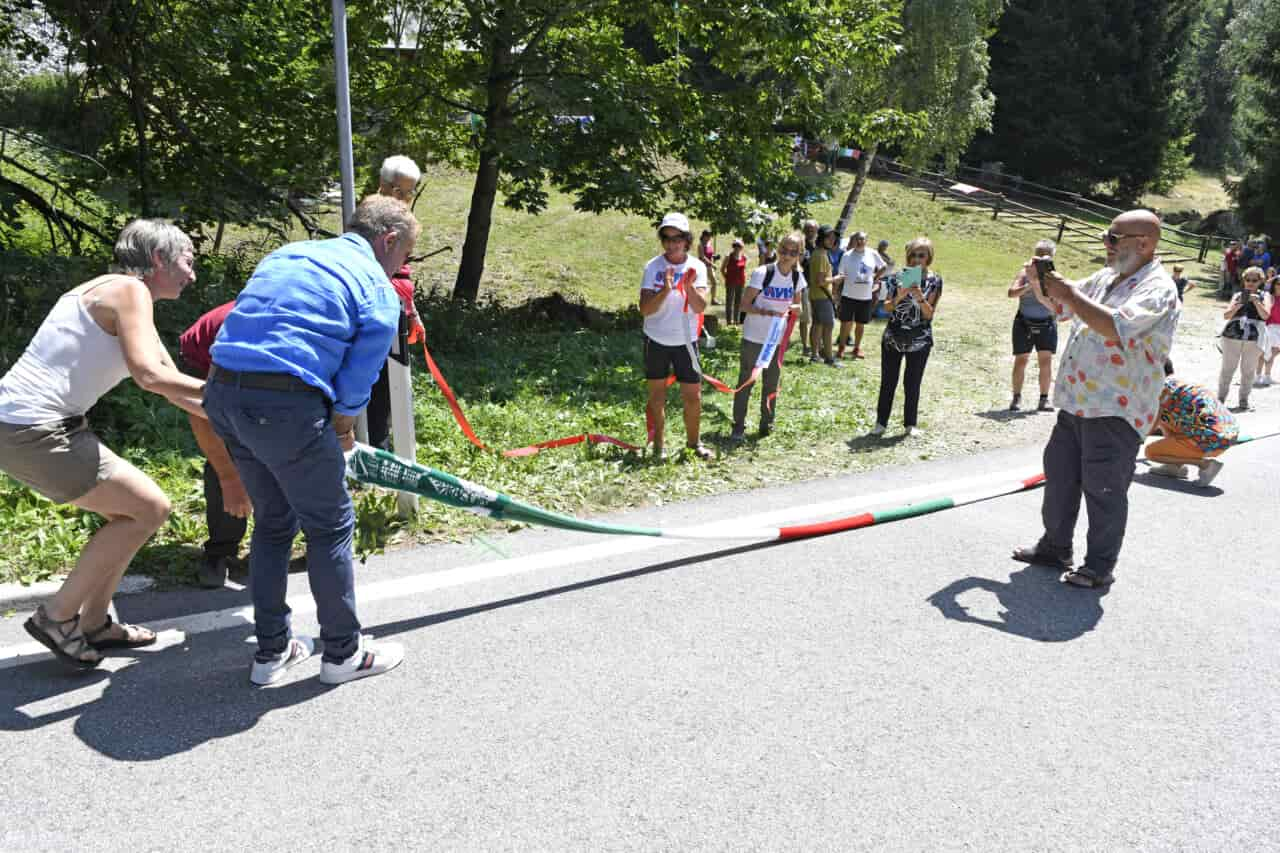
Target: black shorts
856, 310
1029, 335
660, 361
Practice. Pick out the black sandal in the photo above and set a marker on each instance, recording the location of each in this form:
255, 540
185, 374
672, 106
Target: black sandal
146, 639
1085, 580
1038, 558
69, 645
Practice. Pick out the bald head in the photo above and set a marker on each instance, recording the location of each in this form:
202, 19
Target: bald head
1137, 233
1142, 222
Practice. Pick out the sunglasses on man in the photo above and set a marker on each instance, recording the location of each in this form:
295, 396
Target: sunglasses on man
1111, 238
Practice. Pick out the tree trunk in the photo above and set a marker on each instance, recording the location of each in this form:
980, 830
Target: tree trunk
138, 112
483, 196
855, 192
485, 192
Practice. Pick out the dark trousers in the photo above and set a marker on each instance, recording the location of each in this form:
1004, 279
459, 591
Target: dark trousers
292, 467
769, 378
890, 367
225, 531
1093, 458
732, 302
379, 411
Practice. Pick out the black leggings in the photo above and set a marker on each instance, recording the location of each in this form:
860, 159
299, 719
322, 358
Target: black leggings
890, 366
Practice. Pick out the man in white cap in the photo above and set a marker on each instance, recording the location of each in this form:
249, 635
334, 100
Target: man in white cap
673, 295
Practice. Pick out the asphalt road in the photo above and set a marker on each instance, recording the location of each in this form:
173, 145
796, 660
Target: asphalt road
900, 687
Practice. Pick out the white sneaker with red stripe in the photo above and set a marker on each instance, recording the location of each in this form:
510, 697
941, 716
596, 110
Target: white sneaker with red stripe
268, 669
370, 659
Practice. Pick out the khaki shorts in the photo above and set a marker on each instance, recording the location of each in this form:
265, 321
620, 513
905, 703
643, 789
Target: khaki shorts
61, 460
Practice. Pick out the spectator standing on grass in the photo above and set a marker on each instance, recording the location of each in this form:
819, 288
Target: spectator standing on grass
707, 254
1181, 282
1194, 427
734, 270
912, 298
94, 336
398, 179
1261, 255
1244, 336
226, 503
877, 300
673, 293
773, 292
1107, 392
810, 229
1231, 263
825, 262
1035, 327
859, 276
292, 368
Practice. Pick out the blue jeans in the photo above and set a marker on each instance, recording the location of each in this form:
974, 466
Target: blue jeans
292, 467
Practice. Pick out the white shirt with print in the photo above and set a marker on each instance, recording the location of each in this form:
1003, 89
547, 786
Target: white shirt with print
778, 296
668, 325
859, 270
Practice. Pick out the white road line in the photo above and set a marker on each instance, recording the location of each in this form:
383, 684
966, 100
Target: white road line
216, 620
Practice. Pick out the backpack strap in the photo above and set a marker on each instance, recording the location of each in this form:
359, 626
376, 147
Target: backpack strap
768, 276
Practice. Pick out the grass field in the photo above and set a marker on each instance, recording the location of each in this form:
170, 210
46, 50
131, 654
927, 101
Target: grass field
522, 378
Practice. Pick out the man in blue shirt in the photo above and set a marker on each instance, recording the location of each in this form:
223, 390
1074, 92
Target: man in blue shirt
292, 368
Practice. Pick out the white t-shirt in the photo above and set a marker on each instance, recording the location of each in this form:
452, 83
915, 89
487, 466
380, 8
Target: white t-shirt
667, 325
859, 270
777, 297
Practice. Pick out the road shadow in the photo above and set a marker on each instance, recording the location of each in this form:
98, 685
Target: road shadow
1169, 484
1033, 604
1005, 416
159, 703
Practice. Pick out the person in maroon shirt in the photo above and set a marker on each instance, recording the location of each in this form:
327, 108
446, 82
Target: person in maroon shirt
1232, 259
398, 178
226, 502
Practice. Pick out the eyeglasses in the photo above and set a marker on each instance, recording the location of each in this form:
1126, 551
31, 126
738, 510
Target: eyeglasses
670, 238
918, 256
790, 253
1111, 238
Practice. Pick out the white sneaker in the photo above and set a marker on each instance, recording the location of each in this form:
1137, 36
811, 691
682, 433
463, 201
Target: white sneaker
879, 429
270, 671
1261, 382
914, 432
1208, 472
369, 659
1177, 472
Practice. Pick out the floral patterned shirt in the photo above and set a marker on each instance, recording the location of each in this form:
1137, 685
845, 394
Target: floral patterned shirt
1120, 377
1193, 412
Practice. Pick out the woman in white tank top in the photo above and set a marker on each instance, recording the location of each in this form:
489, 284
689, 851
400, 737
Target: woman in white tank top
95, 336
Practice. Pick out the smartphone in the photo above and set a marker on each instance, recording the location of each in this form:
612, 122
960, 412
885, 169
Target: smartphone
910, 277
1044, 266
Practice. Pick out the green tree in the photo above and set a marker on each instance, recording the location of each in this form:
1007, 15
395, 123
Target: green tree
938, 79
1085, 91
1254, 48
1208, 78
630, 104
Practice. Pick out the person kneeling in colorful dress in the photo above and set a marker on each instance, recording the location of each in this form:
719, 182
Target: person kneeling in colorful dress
1195, 429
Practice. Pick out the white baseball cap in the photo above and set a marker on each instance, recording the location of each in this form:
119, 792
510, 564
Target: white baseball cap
677, 221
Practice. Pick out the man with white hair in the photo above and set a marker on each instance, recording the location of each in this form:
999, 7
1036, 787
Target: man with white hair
1107, 392
397, 179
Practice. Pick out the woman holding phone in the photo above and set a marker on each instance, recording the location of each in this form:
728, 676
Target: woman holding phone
911, 295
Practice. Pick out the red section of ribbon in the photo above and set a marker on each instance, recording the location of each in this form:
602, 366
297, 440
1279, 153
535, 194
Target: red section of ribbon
532, 449
805, 531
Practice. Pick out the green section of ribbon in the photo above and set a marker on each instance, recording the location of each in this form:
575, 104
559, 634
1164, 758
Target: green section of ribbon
912, 510
380, 468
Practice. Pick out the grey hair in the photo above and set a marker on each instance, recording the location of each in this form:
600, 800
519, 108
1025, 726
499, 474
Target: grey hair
809, 223
399, 166
1045, 248
141, 239
857, 235
378, 214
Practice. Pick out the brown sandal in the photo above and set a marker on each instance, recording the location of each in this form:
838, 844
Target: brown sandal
134, 637
67, 644
1085, 580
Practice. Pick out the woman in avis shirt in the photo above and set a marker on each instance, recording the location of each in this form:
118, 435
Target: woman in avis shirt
773, 291
673, 295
